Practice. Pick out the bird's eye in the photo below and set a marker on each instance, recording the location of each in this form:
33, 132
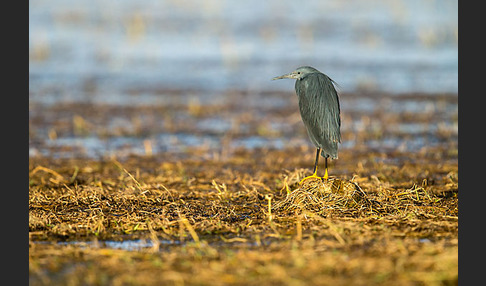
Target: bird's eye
298, 72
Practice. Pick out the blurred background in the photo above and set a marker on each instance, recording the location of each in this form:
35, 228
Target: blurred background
145, 77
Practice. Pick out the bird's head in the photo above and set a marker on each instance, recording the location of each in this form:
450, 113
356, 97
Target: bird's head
298, 73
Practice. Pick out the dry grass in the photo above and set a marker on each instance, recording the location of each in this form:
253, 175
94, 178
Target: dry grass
242, 222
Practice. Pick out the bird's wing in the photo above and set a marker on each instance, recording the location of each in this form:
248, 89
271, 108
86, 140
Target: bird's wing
320, 108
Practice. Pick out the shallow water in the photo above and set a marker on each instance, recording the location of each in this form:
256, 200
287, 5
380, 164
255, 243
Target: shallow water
178, 144
97, 51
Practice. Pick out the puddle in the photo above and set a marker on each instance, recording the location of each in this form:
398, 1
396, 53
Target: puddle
140, 244
131, 245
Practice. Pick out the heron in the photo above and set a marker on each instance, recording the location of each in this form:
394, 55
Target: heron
320, 112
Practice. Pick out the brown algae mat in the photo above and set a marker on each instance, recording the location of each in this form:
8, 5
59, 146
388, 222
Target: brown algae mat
245, 220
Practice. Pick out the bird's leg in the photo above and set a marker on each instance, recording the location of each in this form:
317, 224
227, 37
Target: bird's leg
317, 160
314, 175
326, 176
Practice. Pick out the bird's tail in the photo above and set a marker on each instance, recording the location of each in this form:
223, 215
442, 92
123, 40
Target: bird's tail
330, 150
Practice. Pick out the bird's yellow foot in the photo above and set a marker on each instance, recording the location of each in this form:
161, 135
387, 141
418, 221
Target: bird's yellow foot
308, 177
326, 176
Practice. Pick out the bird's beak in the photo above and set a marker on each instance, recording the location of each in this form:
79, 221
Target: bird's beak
289, 75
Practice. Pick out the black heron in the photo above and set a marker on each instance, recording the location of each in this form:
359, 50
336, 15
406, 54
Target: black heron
320, 112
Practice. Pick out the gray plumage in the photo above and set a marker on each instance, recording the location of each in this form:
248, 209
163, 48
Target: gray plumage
319, 108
